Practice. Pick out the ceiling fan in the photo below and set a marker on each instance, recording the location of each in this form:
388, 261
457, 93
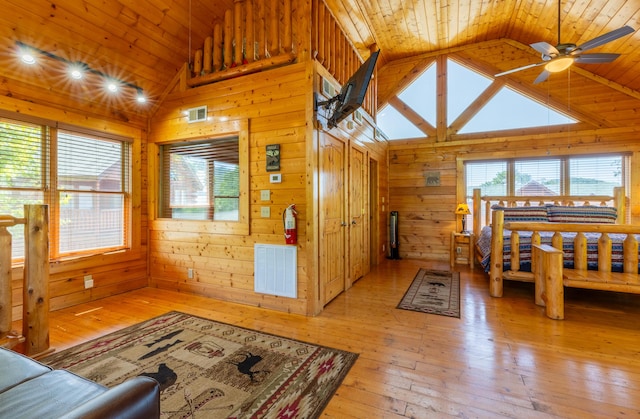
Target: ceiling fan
562, 56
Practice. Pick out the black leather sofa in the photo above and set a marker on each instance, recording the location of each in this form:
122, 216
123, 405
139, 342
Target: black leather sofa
30, 389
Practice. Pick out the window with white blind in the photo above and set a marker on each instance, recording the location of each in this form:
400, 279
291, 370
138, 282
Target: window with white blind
82, 177
200, 180
568, 175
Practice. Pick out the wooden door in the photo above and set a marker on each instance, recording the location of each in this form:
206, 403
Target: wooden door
358, 251
332, 217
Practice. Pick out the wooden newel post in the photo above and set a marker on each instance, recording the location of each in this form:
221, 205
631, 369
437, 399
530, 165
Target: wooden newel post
35, 314
5, 282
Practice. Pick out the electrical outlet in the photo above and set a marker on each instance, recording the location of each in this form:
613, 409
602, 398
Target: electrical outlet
190, 273
459, 250
88, 281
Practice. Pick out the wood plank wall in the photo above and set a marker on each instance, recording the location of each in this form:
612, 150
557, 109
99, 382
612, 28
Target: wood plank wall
274, 103
426, 216
278, 105
113, 273
609, 123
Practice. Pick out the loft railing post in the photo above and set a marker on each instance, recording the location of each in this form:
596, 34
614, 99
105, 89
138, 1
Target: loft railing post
5, 282
35, 318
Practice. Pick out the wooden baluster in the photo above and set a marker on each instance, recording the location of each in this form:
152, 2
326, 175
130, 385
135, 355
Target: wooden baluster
238, 39
556, 240
217, 47
287, 41
630, 254
515, 251
604, 253
250, 41
207, 54
580, 251
6, 303
35, 317
497, 244
621, 204
535, 238
274, 41
228, 39
261, 35
322, 38
329, 40
197, 63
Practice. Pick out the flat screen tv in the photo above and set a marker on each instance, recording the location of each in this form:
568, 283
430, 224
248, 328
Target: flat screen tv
353, 92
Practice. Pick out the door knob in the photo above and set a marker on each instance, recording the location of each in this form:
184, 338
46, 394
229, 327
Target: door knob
353, 222
344, 224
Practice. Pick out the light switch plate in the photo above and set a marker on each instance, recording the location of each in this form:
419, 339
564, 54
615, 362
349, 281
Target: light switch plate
265, 212
265, 195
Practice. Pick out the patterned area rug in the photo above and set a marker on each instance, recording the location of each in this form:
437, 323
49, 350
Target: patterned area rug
434, 292
208, 369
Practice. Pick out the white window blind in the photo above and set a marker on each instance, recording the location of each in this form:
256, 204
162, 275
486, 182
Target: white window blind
91, 186
23, 173
200, 180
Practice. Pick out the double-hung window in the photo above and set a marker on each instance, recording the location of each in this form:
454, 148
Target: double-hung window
563, 175
200, 180
82, 176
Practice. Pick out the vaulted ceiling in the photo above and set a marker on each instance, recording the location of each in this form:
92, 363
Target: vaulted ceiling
146, 42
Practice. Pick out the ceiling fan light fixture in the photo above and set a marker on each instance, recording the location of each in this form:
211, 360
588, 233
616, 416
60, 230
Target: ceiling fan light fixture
559, 64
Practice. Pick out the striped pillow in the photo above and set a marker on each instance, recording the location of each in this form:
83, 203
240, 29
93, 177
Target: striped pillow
530, 214
588, 214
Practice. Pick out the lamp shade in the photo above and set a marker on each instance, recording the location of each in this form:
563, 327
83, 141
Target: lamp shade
462, 209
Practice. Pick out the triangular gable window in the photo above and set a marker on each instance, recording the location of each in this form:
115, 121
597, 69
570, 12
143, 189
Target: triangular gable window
507, 109
421, 95
510, 109
463, 87
395, 126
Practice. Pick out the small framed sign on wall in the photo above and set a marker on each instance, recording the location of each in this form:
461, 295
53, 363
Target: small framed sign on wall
273, 157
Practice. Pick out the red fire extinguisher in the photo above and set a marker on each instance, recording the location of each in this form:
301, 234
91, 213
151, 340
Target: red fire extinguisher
289, 220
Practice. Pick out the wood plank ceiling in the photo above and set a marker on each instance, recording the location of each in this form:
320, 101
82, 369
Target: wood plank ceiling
146, 42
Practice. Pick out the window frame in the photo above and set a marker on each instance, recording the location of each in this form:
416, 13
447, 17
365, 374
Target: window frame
218, 130
51, 194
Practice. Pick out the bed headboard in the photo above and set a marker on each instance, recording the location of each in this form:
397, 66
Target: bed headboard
482, 204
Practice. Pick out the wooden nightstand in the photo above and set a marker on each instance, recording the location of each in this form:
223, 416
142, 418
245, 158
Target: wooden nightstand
461, 248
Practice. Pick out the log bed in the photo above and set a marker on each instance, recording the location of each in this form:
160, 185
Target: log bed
506, 262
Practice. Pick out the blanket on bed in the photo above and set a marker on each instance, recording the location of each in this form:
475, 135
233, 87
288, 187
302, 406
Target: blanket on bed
484, 246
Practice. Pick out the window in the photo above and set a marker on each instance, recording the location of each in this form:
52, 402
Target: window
87, 189
200, 180
568, 175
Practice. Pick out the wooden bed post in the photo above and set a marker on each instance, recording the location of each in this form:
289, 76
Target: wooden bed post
495, 271
35, 313
477, 201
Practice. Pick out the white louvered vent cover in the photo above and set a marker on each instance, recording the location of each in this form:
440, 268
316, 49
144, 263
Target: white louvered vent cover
275, 268
198, 114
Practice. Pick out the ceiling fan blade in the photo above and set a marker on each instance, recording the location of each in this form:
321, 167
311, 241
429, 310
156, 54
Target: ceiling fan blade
542, 77
519, 69
545, 48
607, 37
597, 58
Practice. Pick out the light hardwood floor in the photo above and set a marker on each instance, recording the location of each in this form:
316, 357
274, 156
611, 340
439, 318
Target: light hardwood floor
502, 358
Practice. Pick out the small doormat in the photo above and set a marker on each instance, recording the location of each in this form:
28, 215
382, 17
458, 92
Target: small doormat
434, 292
208, 369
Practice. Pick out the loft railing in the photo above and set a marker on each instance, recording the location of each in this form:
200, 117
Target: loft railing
35, 317
255, 35
334, 51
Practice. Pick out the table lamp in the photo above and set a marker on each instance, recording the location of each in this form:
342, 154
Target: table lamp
463, 209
